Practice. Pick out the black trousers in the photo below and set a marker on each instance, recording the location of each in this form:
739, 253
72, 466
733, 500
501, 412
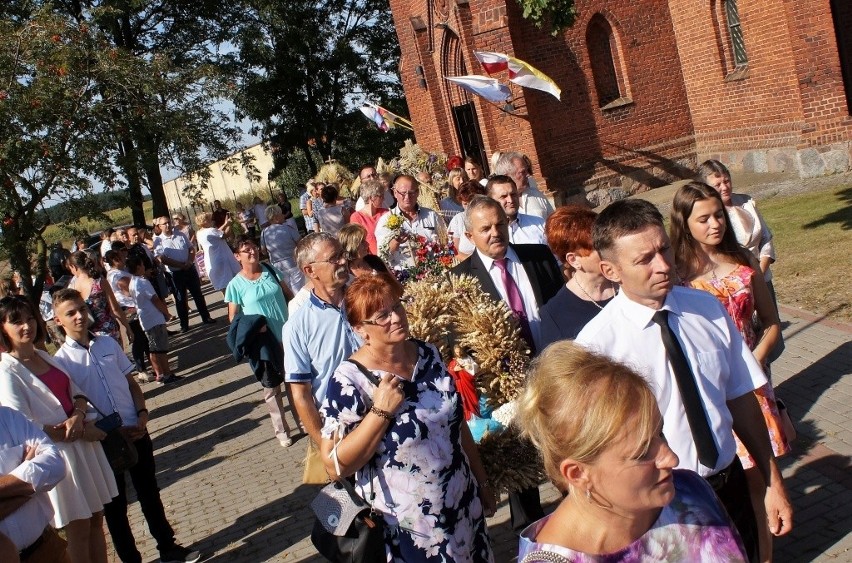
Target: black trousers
144, 477
140, 345
525, 508
735, 496
183, 281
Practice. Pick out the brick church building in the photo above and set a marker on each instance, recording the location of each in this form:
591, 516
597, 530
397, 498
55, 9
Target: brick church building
649, 88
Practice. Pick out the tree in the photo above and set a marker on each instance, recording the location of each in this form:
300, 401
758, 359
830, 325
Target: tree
173, 117
558, 14
55, 138
302, 66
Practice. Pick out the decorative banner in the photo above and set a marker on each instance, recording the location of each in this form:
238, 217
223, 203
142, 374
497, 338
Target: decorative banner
520, 72
488, 88
383, 118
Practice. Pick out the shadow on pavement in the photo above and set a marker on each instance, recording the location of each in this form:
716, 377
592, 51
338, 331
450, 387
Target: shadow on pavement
802, 390
279, 525
821, 492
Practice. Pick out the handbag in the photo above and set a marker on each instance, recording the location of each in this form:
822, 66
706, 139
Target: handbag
786, 422
346, 528
119, 450
314, 473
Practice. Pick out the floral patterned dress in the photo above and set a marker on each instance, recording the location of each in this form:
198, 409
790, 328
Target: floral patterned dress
420, 476
693, 527
105, 322
734, 292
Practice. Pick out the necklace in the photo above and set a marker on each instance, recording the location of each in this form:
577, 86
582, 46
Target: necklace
586, 293
384, 363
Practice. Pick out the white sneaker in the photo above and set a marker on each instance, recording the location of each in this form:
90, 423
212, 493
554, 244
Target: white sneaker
145, 377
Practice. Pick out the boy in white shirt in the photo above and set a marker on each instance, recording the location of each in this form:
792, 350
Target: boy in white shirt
153, 316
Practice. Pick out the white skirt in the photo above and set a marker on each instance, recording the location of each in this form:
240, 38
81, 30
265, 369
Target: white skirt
88, 485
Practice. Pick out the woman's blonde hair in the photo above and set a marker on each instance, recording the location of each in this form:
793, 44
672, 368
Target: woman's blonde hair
351, 236
202, 218
577, 403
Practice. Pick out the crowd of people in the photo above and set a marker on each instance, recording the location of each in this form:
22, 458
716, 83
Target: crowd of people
649, 396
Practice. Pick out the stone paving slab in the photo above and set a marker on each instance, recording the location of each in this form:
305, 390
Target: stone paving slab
234, 493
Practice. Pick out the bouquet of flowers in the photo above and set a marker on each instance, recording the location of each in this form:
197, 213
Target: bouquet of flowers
430, 258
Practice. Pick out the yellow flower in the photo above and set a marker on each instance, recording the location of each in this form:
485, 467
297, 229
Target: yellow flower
394, 222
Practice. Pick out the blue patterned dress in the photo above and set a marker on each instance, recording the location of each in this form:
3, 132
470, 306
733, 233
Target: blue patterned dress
420, 475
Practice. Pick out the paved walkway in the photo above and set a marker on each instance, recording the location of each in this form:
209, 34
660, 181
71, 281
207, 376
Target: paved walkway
234, 493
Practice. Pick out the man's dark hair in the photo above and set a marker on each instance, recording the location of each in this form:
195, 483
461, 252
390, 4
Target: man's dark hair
623, 218
133, 263
498, 179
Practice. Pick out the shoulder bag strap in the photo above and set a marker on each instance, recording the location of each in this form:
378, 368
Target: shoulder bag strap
367, 373
271, 271
543, 555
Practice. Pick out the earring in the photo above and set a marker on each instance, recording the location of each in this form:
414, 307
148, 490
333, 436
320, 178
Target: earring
589, 495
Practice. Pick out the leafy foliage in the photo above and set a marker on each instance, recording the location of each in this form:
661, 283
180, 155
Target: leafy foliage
55, 139
555, 14
302, 66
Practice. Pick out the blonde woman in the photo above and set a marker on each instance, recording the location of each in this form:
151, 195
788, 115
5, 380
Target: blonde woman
599, 430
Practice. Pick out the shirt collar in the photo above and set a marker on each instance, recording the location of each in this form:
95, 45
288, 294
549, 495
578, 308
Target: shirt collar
317, 302
487, 261
74, 344
642, 316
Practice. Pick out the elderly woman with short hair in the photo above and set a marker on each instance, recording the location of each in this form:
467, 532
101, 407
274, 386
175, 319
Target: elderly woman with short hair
393, 419
373, 195
599, 430
278, 241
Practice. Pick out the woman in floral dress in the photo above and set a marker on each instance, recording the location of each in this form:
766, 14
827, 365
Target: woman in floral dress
709, 258
97, 293
406, 441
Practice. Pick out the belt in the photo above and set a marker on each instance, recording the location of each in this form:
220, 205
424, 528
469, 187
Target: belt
33, 547
720, 479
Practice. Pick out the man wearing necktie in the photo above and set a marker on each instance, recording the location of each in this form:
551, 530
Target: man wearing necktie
683, 341
525, 277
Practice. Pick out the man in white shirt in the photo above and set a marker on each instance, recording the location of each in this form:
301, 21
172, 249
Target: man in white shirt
30, 466
532, 201
259, 209
173, 249
99, 367
636, 253
523, 228
416, 220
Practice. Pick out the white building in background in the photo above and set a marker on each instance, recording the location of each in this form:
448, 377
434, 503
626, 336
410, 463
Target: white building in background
224, 185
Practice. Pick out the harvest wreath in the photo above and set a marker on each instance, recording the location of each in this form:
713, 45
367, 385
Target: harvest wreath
480, 341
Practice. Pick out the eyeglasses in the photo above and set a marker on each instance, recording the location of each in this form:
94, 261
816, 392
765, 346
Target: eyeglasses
248, 250
368, 176
412, 193
338, 258
383, 318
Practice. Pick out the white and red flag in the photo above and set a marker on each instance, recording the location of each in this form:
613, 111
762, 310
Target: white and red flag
520, 72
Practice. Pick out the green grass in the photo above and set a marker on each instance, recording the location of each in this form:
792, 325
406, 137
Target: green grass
813, 238
117, 217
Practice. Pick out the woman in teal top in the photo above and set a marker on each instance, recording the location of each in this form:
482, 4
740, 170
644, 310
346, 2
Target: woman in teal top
260, 289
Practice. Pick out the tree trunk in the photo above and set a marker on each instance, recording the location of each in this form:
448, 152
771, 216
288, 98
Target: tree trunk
129, 163
311, 165
149, 151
